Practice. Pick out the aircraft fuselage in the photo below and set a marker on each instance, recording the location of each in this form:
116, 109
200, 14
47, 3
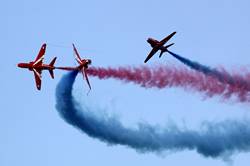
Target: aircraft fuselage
156, 44
85, 63
31, 66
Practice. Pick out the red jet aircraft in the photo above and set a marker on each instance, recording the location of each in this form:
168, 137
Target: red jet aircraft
37, 66
83, 65
159, 45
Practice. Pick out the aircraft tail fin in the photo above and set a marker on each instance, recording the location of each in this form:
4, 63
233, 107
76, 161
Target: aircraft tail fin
166, 49
161, 53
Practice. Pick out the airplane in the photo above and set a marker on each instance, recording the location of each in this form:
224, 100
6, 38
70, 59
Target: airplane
83, 65
37, 66
159, 45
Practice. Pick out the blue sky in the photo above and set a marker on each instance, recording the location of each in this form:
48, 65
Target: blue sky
113, 33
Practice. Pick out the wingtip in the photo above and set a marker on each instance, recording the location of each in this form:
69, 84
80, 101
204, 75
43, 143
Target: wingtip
44, 45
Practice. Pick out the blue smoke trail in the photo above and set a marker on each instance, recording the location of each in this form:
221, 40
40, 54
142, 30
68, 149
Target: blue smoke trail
213, 140
223, 77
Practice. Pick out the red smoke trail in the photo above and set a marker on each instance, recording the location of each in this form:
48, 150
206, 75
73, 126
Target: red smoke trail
171, 76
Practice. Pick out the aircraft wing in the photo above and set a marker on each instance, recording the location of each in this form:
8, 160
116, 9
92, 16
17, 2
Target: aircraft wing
153, 51
84, 72
77, 56
38, 78
40, 56
165, 40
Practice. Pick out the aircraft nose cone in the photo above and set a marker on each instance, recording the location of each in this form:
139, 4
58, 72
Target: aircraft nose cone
21, 65
149, 40
90, 61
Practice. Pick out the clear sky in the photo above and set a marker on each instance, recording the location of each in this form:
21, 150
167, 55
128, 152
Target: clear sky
113, 33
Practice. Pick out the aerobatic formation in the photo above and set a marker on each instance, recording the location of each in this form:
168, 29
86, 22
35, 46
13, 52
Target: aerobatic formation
212, 139
37, 66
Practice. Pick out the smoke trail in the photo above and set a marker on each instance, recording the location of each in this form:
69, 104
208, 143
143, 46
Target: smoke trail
197, 66
222, 76
170, 76
212, 140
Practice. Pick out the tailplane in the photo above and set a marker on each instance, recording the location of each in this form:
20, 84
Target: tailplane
165, 49
52, 63
51, 74
169, 45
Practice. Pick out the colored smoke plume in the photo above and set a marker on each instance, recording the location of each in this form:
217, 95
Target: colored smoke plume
171, 76
234, 80
212, 140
